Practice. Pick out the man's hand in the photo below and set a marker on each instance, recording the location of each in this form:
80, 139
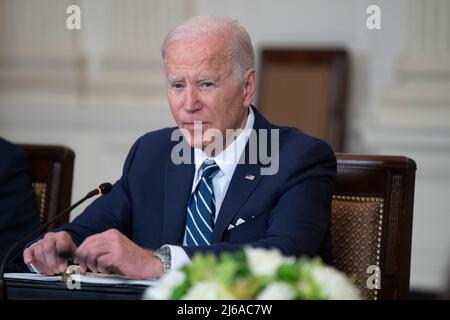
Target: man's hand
49, 255
112, 252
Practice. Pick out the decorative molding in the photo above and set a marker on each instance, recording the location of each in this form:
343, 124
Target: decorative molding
115, 55
420, 95
413, 113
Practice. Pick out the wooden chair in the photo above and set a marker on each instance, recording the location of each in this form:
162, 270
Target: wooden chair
51, 169
371, 223
306, 88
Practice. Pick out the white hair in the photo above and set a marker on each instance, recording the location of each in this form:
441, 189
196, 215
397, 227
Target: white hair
241, 50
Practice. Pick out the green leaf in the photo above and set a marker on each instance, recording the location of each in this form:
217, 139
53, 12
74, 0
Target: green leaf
288, 272
202, 268
227, 271
180, 291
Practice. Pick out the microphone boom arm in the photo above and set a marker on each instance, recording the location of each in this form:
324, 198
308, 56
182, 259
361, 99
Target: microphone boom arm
102, 189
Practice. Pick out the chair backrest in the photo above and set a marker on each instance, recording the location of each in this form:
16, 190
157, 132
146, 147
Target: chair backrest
51, 169
306, 88
371, 223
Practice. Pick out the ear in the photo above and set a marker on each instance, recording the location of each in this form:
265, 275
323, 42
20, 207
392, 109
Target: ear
249, 87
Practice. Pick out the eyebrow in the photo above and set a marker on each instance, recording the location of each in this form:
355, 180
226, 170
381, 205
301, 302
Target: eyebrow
214, 78
173, 79
209, 78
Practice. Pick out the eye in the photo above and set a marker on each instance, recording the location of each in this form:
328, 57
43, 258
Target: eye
177, 85
207, 84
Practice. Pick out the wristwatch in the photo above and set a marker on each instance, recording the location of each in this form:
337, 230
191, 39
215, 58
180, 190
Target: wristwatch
165, 256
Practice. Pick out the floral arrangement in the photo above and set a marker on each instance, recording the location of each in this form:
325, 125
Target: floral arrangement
253, 274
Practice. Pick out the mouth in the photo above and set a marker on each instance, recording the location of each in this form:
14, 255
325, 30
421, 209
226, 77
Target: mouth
196, 124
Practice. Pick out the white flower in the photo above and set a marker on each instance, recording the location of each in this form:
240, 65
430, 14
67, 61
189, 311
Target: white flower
208, 290
333, 284
277, 291
265, 262
164, 288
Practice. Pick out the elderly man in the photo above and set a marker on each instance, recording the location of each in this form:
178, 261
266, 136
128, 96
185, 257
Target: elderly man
162, 211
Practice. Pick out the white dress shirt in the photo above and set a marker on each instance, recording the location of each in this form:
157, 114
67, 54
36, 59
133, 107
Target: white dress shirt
227, 162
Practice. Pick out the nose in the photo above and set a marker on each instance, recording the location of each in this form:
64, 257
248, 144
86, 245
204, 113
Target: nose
192, 102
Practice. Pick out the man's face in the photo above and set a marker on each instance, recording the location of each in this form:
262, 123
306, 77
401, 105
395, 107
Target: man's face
201, 86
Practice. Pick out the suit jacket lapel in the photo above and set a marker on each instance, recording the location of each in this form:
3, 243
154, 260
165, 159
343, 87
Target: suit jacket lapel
240, 188
238, 192
177, 191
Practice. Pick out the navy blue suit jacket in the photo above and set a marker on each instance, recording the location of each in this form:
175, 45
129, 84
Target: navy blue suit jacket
18, 214
289, 210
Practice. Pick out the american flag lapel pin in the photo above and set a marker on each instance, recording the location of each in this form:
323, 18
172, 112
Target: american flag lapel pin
250, 177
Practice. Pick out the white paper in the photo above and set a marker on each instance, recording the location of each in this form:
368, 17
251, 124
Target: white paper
88, 277
32, 276
103, 278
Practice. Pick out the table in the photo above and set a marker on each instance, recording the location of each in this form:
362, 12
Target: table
28, 289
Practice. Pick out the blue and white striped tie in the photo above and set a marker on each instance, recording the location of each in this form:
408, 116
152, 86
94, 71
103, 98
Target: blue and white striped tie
202, 208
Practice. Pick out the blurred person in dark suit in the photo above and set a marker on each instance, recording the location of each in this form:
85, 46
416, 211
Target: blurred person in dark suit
18, 214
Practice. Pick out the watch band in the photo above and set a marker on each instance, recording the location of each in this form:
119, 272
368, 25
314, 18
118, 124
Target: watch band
165, 256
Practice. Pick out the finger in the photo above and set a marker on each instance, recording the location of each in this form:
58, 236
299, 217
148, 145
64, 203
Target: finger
61, 264
28, 256
65, 249
49, 248
40, 267
36, 265
102, 249
38, 258
104, 263
91, 262
80, 259
41, 261
87, 253
80, 255
87, 258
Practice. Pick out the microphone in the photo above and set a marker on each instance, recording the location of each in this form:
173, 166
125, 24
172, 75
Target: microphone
101, 190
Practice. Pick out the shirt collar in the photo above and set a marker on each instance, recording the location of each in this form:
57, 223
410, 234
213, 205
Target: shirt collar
228, 159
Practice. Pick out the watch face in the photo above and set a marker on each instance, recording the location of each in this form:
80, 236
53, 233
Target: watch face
165, 250
163, 253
